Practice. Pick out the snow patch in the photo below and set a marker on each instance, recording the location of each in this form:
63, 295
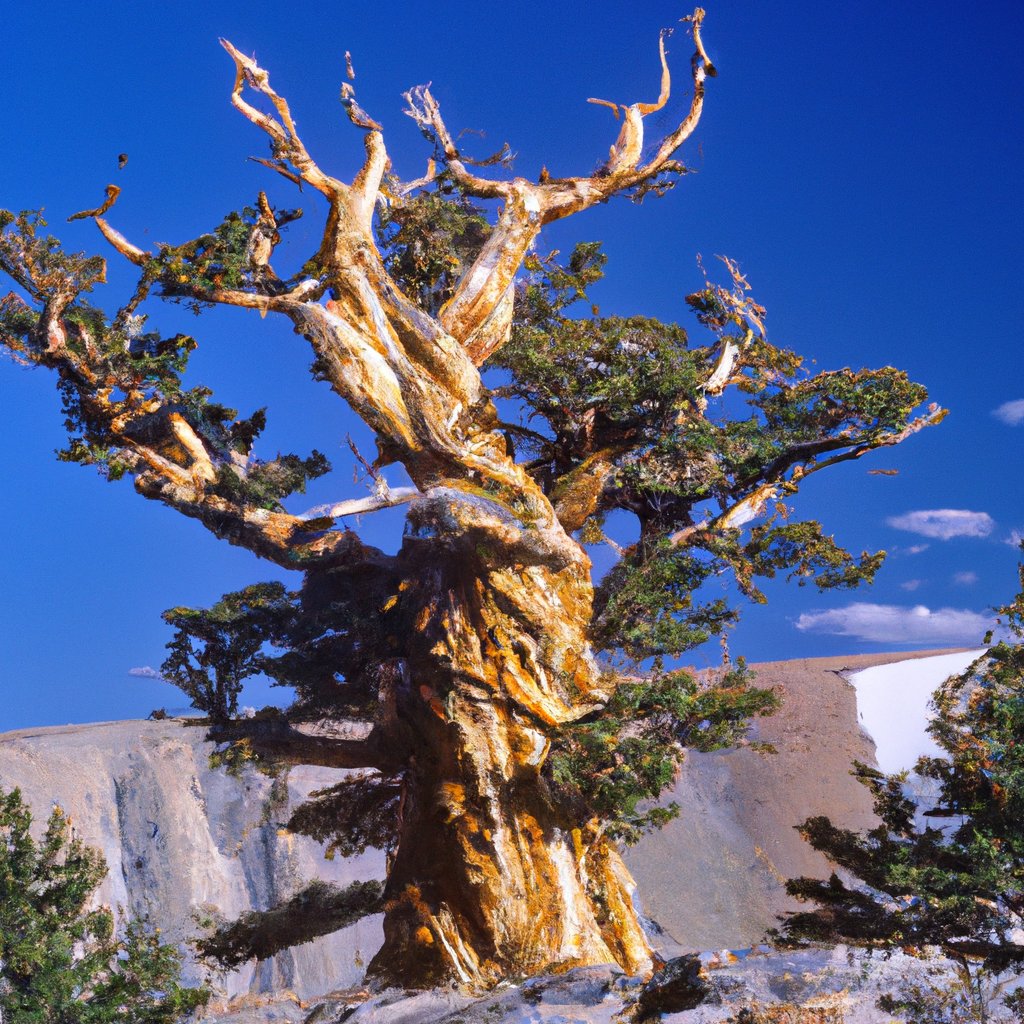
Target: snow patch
892, 706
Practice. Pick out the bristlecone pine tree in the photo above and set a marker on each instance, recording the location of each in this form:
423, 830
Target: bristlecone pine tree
956, 882
468, 673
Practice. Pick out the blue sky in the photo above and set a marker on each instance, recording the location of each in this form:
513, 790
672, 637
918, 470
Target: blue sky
861, 162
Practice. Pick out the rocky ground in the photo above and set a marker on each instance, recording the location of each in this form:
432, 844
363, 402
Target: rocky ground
815, 986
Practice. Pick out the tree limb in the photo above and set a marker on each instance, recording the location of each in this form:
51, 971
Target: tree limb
386, 498
323, 743
288, 145
479, 311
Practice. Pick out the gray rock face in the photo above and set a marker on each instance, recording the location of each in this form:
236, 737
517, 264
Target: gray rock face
184, 841
823, 986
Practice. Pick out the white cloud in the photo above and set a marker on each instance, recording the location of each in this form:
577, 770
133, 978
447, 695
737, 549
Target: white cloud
965, 579
145, 672
911, 584
1016, 538
1011, 413
888, 623
910, 549
944, 523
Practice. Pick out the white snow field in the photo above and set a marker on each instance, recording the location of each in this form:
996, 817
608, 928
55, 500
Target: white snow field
892, 705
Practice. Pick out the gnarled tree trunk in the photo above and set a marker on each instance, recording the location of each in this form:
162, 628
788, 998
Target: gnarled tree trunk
493, 875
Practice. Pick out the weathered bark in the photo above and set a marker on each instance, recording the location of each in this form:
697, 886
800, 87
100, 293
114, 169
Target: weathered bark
493, 875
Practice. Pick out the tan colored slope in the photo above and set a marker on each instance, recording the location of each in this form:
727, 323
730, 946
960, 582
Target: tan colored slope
713, 877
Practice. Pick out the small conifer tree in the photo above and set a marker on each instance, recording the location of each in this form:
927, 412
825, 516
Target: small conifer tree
60, 960
955, 882
214, 650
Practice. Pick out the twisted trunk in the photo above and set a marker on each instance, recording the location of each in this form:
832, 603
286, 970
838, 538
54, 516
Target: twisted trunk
494, 875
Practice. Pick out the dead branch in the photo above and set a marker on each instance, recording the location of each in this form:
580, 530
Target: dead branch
112, 193
288, 145
383, 497
800, 462
479, 311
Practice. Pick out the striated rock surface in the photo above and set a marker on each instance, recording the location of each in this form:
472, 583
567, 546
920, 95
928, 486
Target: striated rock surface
186, 842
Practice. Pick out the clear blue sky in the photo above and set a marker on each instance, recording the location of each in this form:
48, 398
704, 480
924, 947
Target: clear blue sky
861, 161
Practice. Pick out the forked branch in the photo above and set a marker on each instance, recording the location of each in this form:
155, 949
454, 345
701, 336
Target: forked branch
479, 311
287, 144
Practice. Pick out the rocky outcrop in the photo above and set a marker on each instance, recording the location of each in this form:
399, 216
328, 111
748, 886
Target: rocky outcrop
813, 986
187, 843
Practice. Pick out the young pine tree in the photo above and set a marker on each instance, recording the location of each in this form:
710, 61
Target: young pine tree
955, 882
60, 961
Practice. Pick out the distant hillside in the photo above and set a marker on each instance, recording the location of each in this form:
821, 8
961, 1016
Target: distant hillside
182, 839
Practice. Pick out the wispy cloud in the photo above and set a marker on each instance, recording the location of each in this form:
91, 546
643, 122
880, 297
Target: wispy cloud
965, 579
1011, 413
145, 672
911, 584
911, 549
944, 523
889, 623
1016, 538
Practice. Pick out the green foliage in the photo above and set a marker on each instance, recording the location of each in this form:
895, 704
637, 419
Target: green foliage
118, 382
428, 240
646, 605
957, 884
807, 553
60, 962
355, 814
319, 909
631, 391
267, 483
626, 754
333, 647
214, 650
220, 259
39, 264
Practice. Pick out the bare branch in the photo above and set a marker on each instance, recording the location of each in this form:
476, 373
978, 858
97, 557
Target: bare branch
935, 415
384, 497
279, 167
366, 186
112, 193
801, 461
741, 512
423, 109
326, 744
359, 117
701, 69
202, 465
399, 190
130, 252
288, 145
479, 311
